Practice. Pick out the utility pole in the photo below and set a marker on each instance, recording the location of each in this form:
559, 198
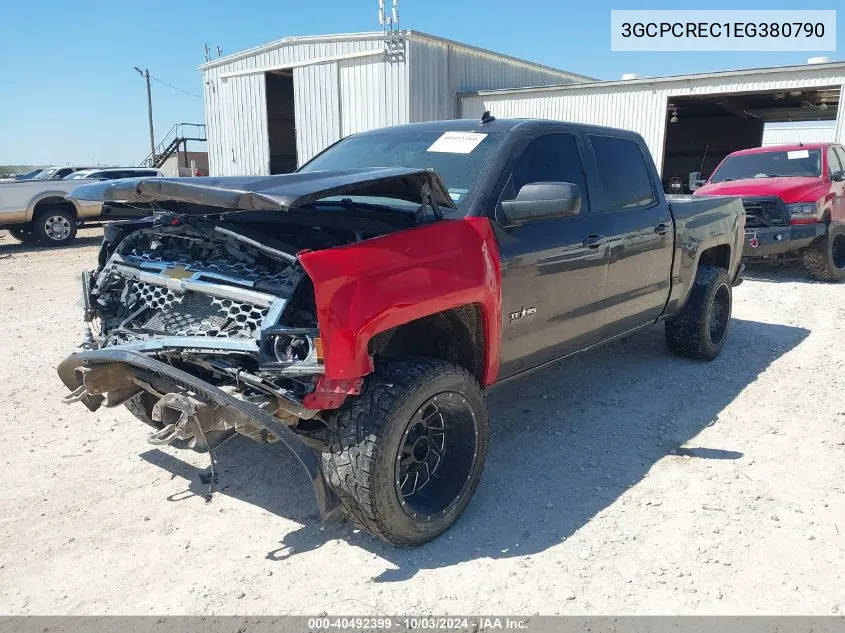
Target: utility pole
146, 75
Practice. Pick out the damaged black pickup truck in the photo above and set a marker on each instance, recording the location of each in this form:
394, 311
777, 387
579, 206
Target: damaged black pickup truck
356, 310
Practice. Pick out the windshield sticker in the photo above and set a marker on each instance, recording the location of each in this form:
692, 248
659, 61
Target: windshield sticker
457, 142
799, 153
457, 194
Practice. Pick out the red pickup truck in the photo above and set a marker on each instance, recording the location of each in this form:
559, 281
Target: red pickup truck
794, 199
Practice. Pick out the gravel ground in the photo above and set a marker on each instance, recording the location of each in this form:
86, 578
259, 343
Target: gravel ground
621, 481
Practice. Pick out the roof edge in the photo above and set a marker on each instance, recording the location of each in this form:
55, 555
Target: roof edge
487, 51
379, 35
646, 81
292, 39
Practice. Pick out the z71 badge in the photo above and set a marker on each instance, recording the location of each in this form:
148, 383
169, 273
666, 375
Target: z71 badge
523, 313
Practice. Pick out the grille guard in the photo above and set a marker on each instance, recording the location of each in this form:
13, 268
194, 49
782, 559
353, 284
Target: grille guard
327, 502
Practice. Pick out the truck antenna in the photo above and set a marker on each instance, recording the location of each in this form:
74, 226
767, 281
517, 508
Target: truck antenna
701, 169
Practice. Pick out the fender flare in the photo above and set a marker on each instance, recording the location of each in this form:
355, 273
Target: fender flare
30, 211
371, 286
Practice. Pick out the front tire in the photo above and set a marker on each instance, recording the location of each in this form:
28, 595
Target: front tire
824, 259
55, 226
701, 328
408, 452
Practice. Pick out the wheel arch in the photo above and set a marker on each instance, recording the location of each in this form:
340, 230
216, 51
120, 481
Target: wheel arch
715, 252
376, 285
49, 198
718, 255
455, 335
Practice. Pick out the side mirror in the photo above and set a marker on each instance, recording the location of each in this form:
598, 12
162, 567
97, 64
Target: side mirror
542, 201
696, 180
838, 176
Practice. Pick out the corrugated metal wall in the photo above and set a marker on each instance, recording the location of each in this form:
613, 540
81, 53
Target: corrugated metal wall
640, 106
236, 106
236, 125
798, 134
439, 70
317, 108
374, 93
335, 96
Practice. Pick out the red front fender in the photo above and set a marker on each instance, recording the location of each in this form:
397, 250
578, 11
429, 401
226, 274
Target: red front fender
371, 286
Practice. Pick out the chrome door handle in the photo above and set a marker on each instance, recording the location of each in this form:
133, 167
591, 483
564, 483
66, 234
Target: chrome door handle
661, 229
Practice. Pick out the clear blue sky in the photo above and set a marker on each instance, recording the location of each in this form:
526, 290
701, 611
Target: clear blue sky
68, 92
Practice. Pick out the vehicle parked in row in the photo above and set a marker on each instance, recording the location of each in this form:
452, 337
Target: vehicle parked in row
38, 211
356, 310
794, 199
57, 173
113, 173
29, 175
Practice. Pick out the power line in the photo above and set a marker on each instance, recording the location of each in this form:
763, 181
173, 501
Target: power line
161, 81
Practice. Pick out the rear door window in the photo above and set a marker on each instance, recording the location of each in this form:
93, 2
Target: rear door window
623, 173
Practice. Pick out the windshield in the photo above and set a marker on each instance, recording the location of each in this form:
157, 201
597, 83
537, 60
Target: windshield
799, 162
457, 157
46, 174
85, 173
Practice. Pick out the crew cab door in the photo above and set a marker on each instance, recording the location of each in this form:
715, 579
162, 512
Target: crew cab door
640, 235
836, 166
553, 274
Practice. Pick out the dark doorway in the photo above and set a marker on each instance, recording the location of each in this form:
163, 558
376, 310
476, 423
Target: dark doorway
701, 131
281, 122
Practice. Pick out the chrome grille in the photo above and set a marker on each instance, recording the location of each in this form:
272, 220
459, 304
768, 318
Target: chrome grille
285, 278
195, 314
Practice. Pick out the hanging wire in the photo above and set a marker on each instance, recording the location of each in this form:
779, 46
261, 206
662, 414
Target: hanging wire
161, 81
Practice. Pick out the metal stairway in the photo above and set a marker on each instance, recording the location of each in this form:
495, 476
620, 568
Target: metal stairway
178, 136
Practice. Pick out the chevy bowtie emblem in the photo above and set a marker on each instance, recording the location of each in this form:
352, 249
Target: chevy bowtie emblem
179, 271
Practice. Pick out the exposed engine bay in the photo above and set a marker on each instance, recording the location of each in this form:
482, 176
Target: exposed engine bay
206, 297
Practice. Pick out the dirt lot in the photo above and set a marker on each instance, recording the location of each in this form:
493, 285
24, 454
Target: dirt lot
623, 481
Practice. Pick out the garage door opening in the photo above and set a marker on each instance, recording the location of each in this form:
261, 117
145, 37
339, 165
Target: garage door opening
701, 131
281, 123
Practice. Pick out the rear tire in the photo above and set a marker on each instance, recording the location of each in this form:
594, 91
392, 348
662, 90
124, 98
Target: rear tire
824, 259
408, 452
701, 328
54, 225
23, 235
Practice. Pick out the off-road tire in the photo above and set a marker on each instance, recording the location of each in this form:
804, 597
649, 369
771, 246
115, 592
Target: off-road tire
820, 257
22, 235
45, 218
361, 465
689, 333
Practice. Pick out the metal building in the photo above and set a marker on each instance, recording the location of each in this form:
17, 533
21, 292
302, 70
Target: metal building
271, 108
689, 122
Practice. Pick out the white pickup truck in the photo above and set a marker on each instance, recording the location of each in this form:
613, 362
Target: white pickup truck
38, 211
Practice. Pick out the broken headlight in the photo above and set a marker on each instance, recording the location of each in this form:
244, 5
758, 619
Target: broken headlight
291, 350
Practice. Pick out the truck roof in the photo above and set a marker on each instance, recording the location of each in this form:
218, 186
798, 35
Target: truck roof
495, 125
788, 147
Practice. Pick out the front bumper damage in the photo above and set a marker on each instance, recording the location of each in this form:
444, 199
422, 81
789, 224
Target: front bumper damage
111, 377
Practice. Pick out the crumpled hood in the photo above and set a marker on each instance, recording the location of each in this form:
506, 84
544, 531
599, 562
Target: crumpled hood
273, 193
788, 188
